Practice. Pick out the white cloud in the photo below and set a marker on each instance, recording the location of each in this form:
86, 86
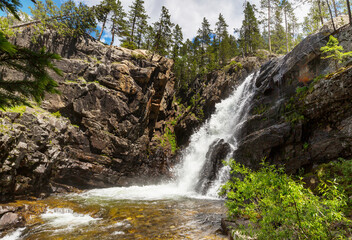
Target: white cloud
189, 13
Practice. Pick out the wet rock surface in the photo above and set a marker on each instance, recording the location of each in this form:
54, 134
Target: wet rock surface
293, 129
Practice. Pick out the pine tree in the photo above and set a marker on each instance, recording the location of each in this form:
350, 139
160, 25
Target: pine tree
163, 35
70, 19
204, 33
102, 12
77, 19
148, 38
32, 79
267, 4
249, 34
177, 38
222, 40
289, 18
137, 19
119, 23
278, 34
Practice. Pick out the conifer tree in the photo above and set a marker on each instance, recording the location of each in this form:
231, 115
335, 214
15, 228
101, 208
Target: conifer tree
289, 17
267, 4
102, 12
222, 40
77, 19
70, 19
177, 38
148, 38
137, 19
249, 34
204, 33
163, 33
32, 79
119, 23
278, 33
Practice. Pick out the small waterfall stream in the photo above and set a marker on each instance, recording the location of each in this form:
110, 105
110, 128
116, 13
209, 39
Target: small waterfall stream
173, 210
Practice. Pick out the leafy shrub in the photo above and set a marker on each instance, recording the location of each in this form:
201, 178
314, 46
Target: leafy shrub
279, 207
129, 45
341, 171
335, 51
259, 110
233, 65
56, 114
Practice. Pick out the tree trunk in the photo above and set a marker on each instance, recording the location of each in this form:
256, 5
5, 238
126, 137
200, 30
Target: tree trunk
335, 8
332, 18
269, 26
112, 34
102, 28
349, 11
320, 13
133, 27
286, 29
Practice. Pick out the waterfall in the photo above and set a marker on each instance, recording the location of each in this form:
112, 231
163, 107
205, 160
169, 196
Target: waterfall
196, 174
222, 127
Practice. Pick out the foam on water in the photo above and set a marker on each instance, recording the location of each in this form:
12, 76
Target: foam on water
61, 217
14, 235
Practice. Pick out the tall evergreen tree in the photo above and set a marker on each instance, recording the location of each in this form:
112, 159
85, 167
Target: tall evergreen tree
163, 35
119, 23
222, 40
102, 12
278, 33
177, 38
249, 34
267, 4
137, 17
204, 37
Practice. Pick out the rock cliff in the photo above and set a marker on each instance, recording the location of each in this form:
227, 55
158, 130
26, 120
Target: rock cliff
301, 115
97, 132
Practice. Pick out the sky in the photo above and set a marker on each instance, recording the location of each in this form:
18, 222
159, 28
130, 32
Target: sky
189, 13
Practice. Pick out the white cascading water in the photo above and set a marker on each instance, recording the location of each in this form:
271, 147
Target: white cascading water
223, 124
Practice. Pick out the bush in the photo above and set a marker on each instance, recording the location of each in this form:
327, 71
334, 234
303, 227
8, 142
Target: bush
279, 207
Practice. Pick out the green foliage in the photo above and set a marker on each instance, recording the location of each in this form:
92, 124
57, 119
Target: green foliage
305, 146
137, 19
262, 108
170, 138
68, 20
56, 114
250, 38
129, 45
32, 79
236, 66
11, 6
335, 51
279, 207
163, 35
17, 109
341, 172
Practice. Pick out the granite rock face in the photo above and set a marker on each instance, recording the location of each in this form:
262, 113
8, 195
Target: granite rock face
103, 121
294, 121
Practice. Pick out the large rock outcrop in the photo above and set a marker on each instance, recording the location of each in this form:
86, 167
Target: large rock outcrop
102, 123
293, 120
